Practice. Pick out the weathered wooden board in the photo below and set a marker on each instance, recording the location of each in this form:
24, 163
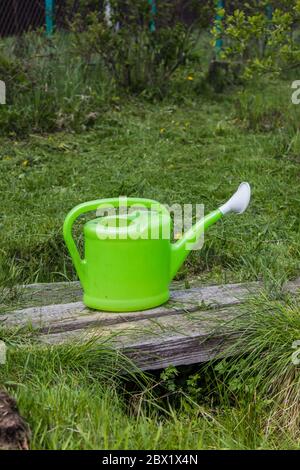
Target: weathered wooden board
66, 316
180, 338
68, 292
194, 326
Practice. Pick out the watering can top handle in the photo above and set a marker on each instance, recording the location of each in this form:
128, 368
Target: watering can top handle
110, 202
101, 204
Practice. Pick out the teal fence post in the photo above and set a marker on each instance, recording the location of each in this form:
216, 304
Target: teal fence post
219, 19
49, 9
152, 25
269, 12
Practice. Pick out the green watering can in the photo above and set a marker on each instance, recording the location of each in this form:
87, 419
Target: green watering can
129, 259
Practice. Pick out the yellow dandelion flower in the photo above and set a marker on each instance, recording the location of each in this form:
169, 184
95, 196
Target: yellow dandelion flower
190, 78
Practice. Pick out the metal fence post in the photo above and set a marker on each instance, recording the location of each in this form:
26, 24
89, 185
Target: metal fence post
269, 12
49, 9
152, 25
219, 19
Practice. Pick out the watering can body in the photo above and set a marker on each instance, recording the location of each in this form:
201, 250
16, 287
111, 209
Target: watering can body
129, 259
123, 276
130, 272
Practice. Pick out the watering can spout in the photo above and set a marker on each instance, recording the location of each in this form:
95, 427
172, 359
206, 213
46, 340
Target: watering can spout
238, 203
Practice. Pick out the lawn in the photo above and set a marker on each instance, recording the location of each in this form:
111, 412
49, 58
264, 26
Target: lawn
191, 150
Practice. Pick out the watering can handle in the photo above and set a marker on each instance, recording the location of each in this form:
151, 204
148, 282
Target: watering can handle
96, 205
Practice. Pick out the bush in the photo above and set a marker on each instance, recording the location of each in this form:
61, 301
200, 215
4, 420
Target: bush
259, 43
182, 10
67, 81
13, 73
140, 51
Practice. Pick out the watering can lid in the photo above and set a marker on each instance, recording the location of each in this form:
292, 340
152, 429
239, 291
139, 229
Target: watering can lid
134, 224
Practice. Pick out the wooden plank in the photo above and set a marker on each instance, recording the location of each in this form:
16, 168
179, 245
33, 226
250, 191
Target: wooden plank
292, 287
42, 294
74, 315
57, 293
216, 296
67, 292
186, 338
194, 326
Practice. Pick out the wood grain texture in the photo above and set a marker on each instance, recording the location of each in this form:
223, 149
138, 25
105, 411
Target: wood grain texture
194, 326
66, 316
154, 343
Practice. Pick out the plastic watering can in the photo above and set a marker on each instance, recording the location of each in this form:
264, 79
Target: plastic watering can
129, 258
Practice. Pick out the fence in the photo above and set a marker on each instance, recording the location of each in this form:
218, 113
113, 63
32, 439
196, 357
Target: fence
19, 16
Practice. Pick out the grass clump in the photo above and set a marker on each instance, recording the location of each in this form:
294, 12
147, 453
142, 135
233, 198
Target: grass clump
52, 88
267, 371
83, 397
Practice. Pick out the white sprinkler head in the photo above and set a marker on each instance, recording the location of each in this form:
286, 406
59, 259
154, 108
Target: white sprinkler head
239, 202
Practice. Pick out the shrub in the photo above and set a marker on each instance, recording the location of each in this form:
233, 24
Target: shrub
140, 51
259, 43
13, 73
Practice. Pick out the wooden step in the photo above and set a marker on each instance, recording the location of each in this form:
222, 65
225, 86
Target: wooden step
194, 326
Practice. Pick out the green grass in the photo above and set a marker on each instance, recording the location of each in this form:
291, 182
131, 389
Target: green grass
194, 148
73, 398
195, 152
266, 372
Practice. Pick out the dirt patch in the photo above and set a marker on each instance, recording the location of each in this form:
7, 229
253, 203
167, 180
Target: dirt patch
14, 431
